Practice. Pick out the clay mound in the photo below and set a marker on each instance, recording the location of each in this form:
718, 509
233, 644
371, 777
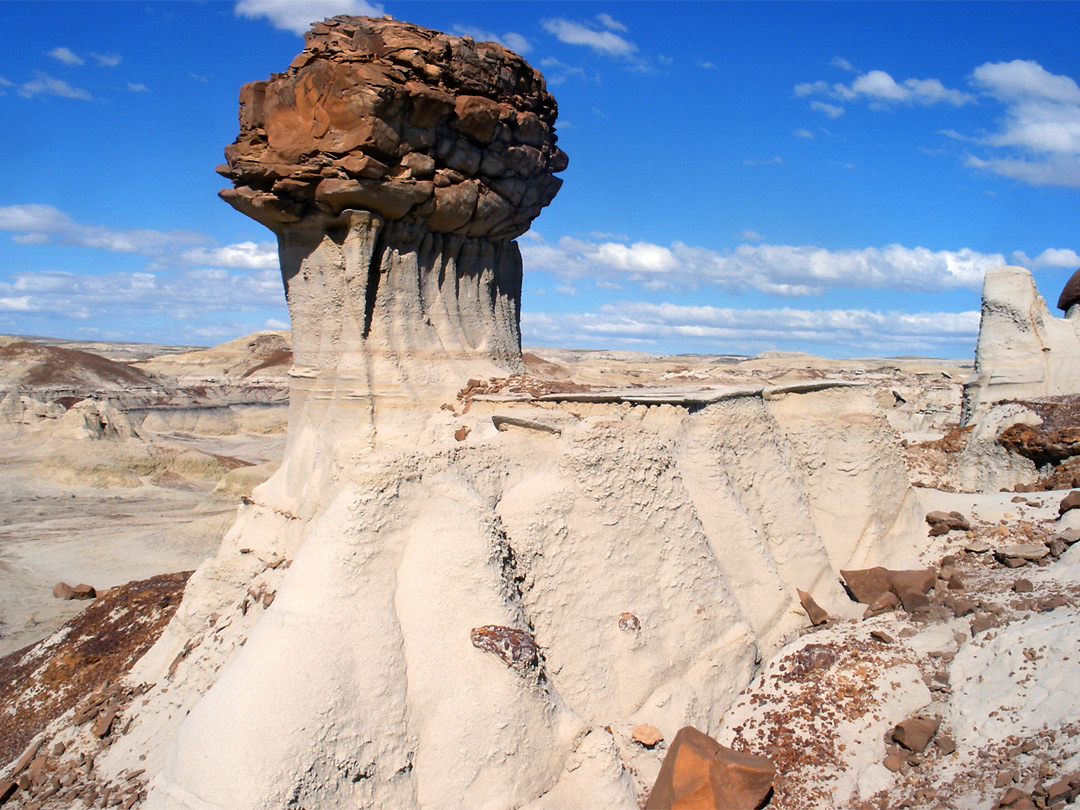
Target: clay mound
36, 366
41, 682
260, 354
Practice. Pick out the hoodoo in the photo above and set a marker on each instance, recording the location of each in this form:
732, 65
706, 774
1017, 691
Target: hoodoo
447, 597
396, 166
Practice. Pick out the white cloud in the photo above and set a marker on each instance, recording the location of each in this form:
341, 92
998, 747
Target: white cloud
297, 15
557, 72
107, 59
879, 86
513, 41
249, 255
44, 84
20, 304
785, 270
44, 224
611, 23
830, 110
572, 33
1057, 257
137, 88
748, 331
66, 55
185, 293
1021, 80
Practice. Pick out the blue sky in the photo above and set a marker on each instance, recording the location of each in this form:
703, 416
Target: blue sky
833, 178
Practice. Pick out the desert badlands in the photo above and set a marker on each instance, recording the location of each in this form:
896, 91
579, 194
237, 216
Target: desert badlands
389, 560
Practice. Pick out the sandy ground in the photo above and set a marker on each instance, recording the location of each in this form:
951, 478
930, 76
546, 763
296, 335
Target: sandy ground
102, 535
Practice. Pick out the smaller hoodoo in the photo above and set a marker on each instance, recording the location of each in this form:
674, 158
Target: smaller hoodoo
1023, 351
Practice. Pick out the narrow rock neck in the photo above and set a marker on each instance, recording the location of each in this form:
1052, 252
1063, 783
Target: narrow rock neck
391, 317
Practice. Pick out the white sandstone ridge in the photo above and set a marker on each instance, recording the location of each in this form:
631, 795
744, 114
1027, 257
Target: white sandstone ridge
1023, 351
446, 603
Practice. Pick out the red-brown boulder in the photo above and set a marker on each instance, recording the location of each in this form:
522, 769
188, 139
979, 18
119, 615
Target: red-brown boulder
700, 774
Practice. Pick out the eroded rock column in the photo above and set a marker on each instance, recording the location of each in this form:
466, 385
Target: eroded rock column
396, 165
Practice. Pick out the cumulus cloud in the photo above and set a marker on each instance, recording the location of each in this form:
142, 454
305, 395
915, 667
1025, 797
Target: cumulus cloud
190, 293
557, 72
513, 41
44, 84
610, 23
878, 86
1036, 142
785, 270
606, 42
44, 224
107, 59
297, 15
666, 327
249, 255
66, 55
1051, 257
824, 108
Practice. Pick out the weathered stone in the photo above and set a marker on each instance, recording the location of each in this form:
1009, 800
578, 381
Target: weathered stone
951, 520
883, 604
915, 733
945, 743
1022, 551
629, 622
1023, 586
515, 647
816, 613
394, 102
647, 735
698, 772
914, 600
1069, 502
866, 584
61, 590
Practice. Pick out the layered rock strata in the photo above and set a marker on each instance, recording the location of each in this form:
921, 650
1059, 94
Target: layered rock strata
1023, 351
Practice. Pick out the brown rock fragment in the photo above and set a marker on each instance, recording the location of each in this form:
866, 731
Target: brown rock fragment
818, 615
1023, 585
698, 772
883, 604
1069, 502
647, 735
915, 733
515, 647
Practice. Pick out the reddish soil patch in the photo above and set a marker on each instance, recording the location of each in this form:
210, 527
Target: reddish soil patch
40, 682
51, 365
